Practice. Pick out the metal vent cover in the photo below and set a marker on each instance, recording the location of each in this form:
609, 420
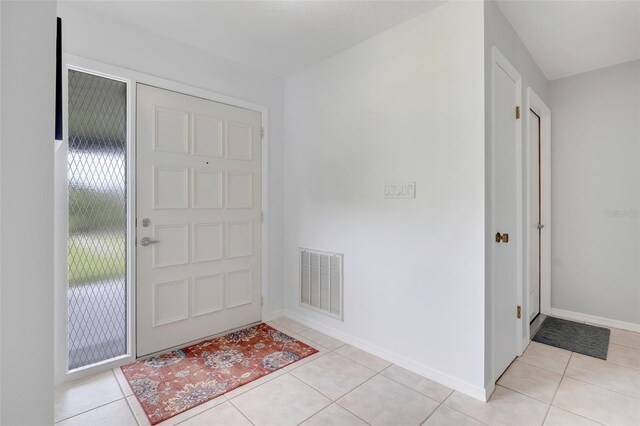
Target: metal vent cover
321, 281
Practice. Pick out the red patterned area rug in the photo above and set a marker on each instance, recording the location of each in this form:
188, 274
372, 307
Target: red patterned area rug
170, 384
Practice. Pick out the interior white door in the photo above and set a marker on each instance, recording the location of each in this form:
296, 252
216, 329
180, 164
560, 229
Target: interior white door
535, 215
198, 218
505, 212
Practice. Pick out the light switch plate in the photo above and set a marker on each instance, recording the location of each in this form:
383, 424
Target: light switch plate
400, 190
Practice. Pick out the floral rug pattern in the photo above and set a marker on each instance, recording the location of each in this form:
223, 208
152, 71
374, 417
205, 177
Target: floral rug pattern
169, 384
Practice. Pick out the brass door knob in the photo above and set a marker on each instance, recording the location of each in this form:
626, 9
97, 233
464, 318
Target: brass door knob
504, 238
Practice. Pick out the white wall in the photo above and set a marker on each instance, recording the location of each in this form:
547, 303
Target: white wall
27, 84
405, 105
498, 32
596, 193
95, 37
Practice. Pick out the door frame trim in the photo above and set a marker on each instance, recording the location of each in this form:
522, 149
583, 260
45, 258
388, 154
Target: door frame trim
61, 212
537, 105
132, 78
499, 60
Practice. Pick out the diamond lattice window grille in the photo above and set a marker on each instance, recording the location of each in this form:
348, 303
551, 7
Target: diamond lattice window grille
97, 219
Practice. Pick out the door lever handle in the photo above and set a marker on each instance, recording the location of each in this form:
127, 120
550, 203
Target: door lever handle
540, 226
504, 238
148, 241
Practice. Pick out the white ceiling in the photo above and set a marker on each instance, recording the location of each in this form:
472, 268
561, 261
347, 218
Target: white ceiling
280, 37
571, 37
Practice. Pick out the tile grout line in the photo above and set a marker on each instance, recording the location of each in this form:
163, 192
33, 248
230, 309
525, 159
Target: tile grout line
326, 406
301, 381
558, 388
433, 412
320, 355
621, 344
518, 392
345, 408
358, 362
126, 400
450, 408
626, 346
284, 372
554, 396
563, 374
418, 392
379, 373
594, 384
623, 366
410, 388
196, 414
318, 343
276, 325
281, 328
402, 384
101, 405
145, 419
529, 396
240, 411
256, 386
577, 415
327, 396
602, 387
608, 362
537, 366
311, 386
92, 409
337, 405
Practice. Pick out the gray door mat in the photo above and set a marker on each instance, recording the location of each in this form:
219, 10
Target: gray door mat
574, 336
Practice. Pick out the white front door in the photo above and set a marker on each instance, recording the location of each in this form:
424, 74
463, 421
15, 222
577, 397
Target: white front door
198, 218
506, 212
535, 215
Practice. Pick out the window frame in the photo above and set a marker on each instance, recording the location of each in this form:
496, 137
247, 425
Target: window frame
61, 223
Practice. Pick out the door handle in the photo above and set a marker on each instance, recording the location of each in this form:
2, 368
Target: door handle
540, 226
148, 241
504, 238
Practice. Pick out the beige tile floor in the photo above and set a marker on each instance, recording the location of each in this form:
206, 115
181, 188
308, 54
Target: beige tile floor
343, 386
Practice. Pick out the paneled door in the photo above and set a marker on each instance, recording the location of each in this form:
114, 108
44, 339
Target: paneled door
506, 212
198, 218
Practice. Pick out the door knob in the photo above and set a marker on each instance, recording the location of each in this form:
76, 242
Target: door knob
148, 241
540, 226
504, 238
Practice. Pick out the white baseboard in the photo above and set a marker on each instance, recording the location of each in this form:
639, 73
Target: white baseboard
473, 391
592, 319
269, 316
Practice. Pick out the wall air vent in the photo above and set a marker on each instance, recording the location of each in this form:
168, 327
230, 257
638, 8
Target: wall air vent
321, 281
